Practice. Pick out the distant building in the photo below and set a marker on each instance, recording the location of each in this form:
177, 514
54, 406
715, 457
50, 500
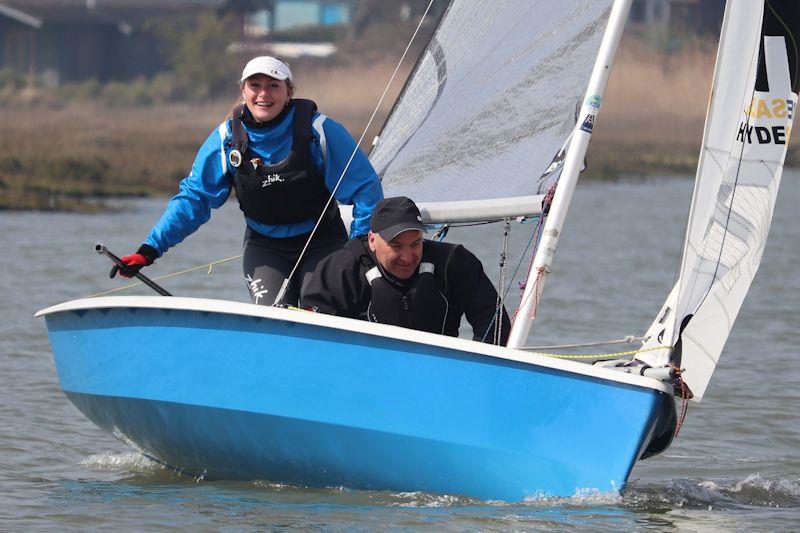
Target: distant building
696, 16
74, 40
290, 14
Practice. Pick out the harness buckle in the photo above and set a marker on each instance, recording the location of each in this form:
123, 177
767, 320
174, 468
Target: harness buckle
235, 158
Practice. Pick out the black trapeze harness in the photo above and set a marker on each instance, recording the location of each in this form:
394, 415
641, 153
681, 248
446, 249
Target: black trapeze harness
286, 192
423, 307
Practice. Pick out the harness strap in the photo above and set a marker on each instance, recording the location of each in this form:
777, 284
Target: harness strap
303, 111
239, 137
372, 274
426, 268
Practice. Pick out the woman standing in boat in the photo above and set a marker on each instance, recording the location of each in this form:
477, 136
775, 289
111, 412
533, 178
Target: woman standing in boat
285, 160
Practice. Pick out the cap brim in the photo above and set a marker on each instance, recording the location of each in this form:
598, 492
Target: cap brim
393, 231
276, 75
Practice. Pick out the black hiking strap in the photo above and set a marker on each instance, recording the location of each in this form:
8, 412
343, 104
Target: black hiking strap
239, 137
303, 111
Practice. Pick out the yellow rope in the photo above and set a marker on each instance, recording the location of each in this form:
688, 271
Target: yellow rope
209, 265
554, 355
601, 355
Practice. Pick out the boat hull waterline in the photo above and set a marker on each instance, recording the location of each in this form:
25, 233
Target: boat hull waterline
237, 391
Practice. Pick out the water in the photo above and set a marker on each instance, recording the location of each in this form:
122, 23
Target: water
735, 466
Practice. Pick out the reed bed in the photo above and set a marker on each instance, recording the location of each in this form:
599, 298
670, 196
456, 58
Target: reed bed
657, 98
56, 155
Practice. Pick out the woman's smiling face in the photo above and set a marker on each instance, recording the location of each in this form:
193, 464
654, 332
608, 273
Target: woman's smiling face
265, 97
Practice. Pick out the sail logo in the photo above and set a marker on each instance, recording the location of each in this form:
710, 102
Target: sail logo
762, 134
767, 118
588, 123
755, 129
270, 179
775, 108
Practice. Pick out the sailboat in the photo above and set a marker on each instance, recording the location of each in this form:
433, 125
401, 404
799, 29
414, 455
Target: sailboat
485, 129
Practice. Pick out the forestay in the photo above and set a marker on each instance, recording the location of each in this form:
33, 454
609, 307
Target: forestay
744, 147
491, 101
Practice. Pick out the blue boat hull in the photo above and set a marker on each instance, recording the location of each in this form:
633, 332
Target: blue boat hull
259, 397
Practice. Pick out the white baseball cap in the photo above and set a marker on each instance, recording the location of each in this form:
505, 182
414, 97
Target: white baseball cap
274, 68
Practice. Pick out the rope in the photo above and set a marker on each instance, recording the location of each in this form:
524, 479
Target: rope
686, 395
210, 267
537, 235
534, 292
501, 283
285, 286
546, 202
627, 339
601, 355
521, 259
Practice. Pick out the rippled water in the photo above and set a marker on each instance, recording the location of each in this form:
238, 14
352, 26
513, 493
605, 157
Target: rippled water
736, 464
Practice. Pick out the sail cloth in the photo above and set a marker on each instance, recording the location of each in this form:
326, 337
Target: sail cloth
747, 132
491, 100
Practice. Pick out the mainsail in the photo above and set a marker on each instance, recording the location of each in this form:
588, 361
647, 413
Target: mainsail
491, 101
747, 132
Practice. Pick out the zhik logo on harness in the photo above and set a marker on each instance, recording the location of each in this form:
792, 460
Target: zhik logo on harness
270, 179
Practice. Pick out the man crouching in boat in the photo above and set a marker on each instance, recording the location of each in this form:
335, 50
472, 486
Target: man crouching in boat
394, 276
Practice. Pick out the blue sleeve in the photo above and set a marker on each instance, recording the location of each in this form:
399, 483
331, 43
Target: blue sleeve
205, 188
360, 186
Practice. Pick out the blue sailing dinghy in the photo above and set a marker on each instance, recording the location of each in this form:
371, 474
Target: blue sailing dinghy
240, 391
237, 391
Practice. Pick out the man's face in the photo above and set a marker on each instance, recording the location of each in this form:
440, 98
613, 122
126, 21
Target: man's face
399, 256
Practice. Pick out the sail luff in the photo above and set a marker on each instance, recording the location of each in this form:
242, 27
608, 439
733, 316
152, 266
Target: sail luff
665, 322
411, 75
569, 176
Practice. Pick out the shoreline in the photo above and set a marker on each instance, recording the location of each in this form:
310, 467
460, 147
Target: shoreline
605, 162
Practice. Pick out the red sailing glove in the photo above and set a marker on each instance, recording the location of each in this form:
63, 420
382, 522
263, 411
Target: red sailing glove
143, 257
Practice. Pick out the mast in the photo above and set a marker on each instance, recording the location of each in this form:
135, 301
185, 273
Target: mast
569, 177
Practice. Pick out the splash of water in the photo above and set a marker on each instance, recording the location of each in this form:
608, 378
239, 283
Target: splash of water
132, 461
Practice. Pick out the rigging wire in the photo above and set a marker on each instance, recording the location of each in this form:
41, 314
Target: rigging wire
285, 286
501, 282
210, 267
497, 316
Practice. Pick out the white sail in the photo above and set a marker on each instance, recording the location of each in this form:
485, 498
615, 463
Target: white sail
747, 131
491, 101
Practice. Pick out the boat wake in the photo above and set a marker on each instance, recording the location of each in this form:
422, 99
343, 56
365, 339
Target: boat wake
754, 490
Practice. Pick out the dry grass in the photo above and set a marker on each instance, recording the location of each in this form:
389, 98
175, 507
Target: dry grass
657, 98
54, 156
350, 94
653, 113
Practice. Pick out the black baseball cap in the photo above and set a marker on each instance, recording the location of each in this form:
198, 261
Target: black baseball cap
393, 216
